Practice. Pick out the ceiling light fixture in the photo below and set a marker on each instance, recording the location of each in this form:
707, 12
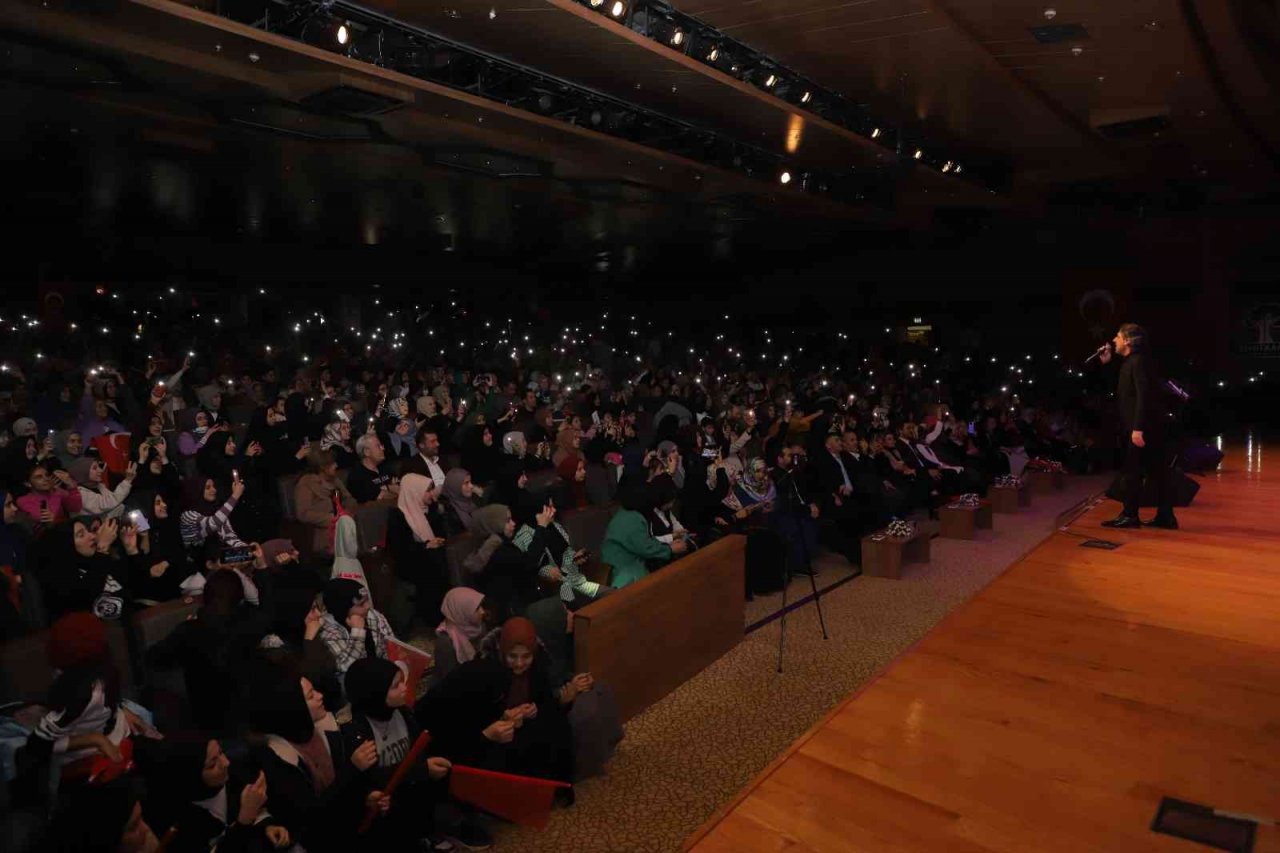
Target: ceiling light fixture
596, 4
785, 177
1077, 50
713, 54
947, 166
919, 153
957, 168
1050, 13
618, 9
875, 133
771, 81
677, 38
806, 97
344, 34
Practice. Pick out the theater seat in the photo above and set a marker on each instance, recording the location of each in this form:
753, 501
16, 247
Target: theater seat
25, 674
285, 486
371, 524
457, 549
158, 621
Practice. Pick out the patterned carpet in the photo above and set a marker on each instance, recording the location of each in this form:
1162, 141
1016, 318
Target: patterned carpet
692, 752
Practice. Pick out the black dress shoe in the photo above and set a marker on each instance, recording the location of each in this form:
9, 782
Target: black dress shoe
1122, 522
1163, 522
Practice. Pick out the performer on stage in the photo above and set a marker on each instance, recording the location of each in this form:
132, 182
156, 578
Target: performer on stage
1143, 418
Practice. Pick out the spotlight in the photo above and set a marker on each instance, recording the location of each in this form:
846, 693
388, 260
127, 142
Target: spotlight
713, 54
806, 97
785, 177
618, 9
919, 153
596, 4
771, 81
957, 169
946, 167
344, 34
875, 133
677, 38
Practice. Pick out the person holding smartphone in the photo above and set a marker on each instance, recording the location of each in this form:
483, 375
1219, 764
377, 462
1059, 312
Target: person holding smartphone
54, 496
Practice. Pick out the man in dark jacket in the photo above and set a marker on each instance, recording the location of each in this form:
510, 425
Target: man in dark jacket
1139, 393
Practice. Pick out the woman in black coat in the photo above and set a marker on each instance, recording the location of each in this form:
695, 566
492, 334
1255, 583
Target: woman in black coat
506, 574
283, 452
416, 549
256, 516
77, 574
161, 563
213, 650
379, 698
481, 455
196, 790
503, 712
317, 788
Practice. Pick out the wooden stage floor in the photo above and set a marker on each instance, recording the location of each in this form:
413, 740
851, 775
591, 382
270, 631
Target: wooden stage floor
1055, 709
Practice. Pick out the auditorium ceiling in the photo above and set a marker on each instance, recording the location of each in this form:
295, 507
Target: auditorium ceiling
1120, 100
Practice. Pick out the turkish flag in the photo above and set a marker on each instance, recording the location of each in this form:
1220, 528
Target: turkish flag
114, 450
525, 800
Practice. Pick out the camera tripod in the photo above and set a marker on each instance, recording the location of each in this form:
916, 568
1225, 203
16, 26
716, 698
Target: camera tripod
808, 565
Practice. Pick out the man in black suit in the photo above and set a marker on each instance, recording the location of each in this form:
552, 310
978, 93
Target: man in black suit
797, 512
833, 486
1142, 415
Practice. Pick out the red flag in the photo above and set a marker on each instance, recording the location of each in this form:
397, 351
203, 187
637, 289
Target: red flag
415, 755
416, 661
114, 449
98, 769
520, 799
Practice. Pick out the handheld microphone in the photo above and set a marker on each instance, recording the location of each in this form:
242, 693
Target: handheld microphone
1098, 354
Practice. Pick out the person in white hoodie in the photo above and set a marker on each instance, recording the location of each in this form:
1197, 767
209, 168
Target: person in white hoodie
96, 498
346, 552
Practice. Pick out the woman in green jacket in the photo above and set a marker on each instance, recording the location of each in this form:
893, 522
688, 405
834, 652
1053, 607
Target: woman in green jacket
628, 544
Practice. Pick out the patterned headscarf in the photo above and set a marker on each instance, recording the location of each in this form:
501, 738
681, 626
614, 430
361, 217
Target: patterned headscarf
333, 438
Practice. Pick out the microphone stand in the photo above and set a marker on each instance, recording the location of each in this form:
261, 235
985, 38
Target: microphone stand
789, 477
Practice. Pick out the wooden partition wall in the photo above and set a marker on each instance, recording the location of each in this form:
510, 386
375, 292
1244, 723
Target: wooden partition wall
652, 636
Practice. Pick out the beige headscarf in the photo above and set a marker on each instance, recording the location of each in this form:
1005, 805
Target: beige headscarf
412, 489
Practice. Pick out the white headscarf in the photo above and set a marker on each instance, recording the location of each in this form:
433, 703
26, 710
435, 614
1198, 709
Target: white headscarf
412, 489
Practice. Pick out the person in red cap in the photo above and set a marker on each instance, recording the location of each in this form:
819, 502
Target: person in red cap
87, 715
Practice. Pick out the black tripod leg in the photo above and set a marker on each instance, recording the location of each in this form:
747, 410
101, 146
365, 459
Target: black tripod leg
813, 583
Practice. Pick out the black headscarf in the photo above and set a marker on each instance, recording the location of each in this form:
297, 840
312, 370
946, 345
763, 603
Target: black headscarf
194, 499
662, 490
175, 770
212, 459
339, 596
506, 485
551, 622
278, 706
367, 683
481, 460
634, 494
165, 534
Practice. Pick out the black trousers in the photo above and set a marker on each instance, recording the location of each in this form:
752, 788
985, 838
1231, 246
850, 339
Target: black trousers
1147, 464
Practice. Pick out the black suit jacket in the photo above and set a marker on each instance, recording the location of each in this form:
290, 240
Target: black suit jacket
826, 473
1138, 393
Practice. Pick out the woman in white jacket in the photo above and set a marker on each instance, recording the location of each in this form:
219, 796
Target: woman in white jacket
97, 500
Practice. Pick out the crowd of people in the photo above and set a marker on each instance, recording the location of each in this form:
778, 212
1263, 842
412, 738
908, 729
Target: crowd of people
125, 485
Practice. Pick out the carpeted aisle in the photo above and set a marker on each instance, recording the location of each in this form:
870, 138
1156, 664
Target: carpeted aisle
692, 752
